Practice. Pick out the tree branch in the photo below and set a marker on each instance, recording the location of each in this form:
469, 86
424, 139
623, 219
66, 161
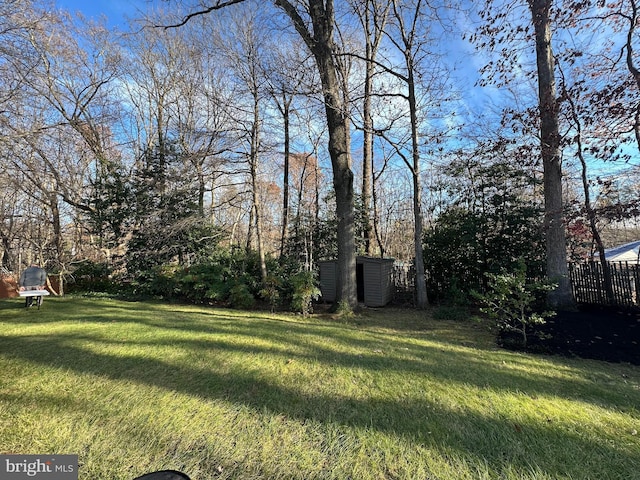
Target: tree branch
298, 22
219, 5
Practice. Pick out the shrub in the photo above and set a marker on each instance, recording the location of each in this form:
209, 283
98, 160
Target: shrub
240, 297
270, 291
164, 282
229, 276
205, 282
209, 280
344, 310
491, 225
88, 276
305, 290
512, 301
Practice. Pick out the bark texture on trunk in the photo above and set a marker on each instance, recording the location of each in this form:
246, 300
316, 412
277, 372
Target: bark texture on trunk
556, 242
421, 281
321, 44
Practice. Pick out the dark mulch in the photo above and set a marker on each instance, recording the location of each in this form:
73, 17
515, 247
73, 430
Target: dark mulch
591, 332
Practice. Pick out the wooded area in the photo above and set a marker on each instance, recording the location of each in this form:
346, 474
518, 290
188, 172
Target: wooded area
462, 137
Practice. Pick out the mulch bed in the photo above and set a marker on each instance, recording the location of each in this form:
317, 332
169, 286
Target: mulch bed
591, 332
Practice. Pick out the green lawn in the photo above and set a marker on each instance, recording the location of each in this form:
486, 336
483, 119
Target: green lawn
222, 394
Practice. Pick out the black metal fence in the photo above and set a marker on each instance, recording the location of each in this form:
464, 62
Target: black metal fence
588, 283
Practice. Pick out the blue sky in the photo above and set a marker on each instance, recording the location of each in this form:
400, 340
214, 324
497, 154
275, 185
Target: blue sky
475, 103
116, 11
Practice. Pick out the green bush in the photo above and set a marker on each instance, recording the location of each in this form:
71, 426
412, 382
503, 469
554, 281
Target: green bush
513, 302
206, 282
344, 311
270, 291
493, 222
90, 277
240, 297
233, 277
304, 291
164, 282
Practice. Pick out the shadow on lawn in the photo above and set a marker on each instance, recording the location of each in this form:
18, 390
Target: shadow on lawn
424, 420
306, 340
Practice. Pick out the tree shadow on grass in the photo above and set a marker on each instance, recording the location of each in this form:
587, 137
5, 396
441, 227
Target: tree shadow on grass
348, 347
423, 421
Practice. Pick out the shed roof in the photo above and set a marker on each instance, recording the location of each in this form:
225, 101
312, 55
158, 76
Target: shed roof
623, 253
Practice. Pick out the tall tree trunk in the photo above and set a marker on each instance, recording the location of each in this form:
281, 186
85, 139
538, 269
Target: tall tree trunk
421, 282
253, 161
373, 19
376, 218
343, 186
250, 227
285, 178
57, 229
367, 157
7, 257
320, 43
202, 187
556, 242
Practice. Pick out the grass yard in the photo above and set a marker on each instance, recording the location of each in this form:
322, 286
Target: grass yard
222, 394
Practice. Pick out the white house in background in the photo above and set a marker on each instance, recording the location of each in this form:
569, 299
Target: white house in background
629, 252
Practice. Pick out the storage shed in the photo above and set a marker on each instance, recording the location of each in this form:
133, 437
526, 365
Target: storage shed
374, 280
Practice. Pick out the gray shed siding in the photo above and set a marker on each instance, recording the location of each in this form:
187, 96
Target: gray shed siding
378, 283
328, 280
376, 280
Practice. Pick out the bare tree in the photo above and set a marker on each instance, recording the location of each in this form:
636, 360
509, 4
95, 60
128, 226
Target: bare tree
61, 76
314, 20
409, 32
288, 77
202, 111
373, 15
243, 46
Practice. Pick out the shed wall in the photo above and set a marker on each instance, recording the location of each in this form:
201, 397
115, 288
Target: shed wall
328, 280
377, 280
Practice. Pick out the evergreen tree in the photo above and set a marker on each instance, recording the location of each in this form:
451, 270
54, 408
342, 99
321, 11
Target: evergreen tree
169, 227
